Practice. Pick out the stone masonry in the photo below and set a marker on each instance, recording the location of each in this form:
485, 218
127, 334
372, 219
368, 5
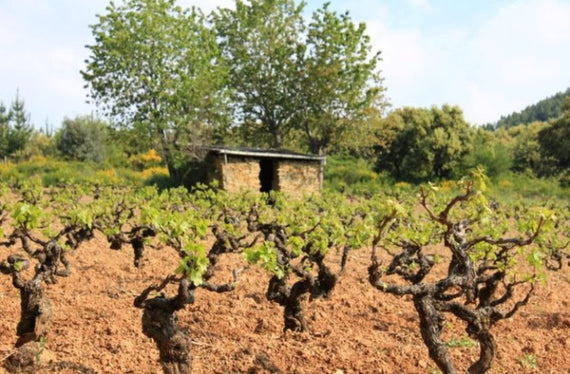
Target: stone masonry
239, 174
298, 177
293, 177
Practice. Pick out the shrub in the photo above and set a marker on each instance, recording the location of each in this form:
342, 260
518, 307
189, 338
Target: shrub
82, 139
345, 173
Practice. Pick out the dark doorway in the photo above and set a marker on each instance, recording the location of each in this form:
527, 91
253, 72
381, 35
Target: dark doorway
266, 174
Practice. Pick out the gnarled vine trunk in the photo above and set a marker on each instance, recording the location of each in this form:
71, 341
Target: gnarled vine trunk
159, 322
35, 317
290, 298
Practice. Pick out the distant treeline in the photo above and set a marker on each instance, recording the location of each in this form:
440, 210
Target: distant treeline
409, 144
544, 110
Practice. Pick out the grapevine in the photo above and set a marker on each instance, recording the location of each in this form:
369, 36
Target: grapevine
491, 258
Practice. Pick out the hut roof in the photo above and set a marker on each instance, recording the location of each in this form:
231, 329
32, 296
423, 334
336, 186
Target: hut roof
264, 153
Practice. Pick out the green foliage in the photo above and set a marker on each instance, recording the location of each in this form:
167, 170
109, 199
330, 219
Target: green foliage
511, 187
39, 353
537, 149
54, 172
529, 361
154, 68
294, 83
15, 128
194, 264
464, 342
261, 44
488, 152
82, 139
39, 145
554, 143
543, 111
27, 215
349, 174
426, 144
527, 155
18, 266
341, 84
266, 256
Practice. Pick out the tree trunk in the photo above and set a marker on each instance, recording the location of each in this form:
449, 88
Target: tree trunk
138, 249
487, 355
277, 136
175, 355
291, 300
35, 322
294, 316
35, 314
159, 323
431, 326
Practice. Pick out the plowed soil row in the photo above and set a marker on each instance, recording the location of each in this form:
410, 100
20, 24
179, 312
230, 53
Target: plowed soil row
358, 330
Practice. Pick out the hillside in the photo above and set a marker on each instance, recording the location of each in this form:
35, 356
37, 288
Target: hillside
543, 110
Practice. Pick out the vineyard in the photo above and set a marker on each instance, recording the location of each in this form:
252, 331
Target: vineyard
117, 279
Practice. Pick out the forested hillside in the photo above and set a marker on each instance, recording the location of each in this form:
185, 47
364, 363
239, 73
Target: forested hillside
544, 110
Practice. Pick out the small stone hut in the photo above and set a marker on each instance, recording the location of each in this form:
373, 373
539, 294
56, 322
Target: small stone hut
265, 170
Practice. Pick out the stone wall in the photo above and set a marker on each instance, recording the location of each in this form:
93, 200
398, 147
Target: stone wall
298, 177
238, 174
292, 177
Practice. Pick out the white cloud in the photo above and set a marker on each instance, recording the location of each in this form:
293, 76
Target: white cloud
421, 5
522, 52
516, 57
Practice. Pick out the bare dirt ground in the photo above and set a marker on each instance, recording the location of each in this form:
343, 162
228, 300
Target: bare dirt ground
359, 330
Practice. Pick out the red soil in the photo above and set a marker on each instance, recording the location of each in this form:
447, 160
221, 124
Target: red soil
359, 330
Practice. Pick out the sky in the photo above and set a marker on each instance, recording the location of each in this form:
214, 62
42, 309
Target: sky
490, 57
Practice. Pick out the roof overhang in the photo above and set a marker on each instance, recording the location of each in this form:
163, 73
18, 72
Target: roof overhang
265, 153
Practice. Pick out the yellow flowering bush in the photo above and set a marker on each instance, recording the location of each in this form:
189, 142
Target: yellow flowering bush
156, 170
107, 176
146, 160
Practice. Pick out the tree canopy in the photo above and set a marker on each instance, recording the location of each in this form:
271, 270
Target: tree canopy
15, 127
176, 77
341, 81
155, 66
424, 144
82, 138
316, 80
544, 110
554, 141
260, 42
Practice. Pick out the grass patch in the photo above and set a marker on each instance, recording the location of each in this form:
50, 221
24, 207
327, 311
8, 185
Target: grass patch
464, 342
53, 172
529, 361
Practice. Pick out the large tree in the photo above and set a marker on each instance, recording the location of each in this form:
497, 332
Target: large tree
315, 82
527, 155
154, 66
341, 82
260, 39
424, 144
